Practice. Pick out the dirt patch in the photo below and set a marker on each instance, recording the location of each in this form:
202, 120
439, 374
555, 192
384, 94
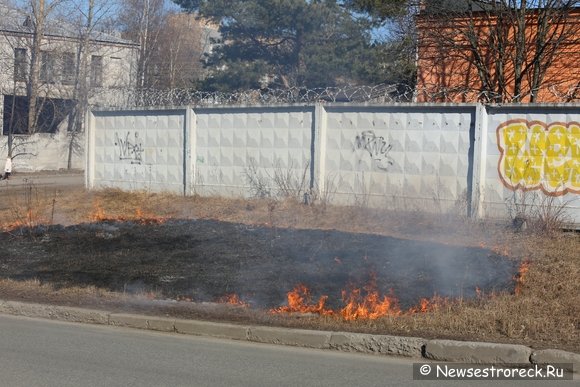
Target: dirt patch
204, 260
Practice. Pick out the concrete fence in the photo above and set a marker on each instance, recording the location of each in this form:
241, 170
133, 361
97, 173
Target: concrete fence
478, 159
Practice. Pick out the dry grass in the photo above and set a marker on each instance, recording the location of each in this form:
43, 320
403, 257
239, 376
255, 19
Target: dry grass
545, 313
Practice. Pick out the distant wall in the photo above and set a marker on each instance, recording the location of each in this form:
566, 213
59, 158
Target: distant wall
470, 158
43, 151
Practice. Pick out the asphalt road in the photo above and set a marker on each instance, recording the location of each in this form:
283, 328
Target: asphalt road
44, 179
48, 353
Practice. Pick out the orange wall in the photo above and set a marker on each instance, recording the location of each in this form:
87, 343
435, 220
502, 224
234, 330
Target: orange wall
443, 66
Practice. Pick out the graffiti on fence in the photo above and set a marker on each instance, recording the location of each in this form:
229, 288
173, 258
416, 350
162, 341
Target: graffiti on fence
535, 155
130, 148
376, 146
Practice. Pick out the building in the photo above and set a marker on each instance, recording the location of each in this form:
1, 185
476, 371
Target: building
482, 52
110, 64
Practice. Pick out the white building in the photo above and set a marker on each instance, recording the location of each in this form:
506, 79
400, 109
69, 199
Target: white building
111, 64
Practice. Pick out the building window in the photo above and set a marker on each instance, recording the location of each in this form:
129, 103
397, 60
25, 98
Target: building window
96, 71
20, 64
47, 67
68, 68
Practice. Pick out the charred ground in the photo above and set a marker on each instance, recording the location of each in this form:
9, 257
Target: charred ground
204, 260
200, 249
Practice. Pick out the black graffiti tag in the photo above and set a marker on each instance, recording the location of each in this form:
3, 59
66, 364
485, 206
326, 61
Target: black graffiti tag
376, 146
130, 150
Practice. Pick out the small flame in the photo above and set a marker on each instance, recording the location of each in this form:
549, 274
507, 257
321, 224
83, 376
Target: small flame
98, 214
233, 299
368, 304
520, 277
360, 304
299, 301
140, 216
423, 306
427, 305
28, 219
501, 250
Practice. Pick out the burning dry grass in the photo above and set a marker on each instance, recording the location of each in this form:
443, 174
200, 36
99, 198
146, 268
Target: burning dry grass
543, 311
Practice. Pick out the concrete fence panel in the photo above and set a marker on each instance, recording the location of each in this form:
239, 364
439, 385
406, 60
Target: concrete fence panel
137, 150
247, 151
399, 156
530, 161
490, 161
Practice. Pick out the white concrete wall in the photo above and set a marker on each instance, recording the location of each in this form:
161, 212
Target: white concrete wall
415, 157
42, 151
142, 150
537, 151
430, 157
233, 146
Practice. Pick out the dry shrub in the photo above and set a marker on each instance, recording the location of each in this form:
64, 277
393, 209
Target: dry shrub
536, 212
30, 207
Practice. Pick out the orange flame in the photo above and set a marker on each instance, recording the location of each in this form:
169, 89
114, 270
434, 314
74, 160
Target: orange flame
140, 216
370, 306
520, 278
360, 304
427, 305
501, 250
30, 218
98, 214
299, 301
232, 299
423, 307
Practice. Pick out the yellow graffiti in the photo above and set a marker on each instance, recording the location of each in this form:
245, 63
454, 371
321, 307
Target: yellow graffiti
534, 155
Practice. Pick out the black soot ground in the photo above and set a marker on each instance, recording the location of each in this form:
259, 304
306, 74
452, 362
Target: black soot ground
205, 260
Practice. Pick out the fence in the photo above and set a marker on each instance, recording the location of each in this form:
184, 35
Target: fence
480, 159
381, 93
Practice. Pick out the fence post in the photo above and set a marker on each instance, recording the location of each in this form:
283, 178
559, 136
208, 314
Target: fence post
189, 152
479, 161
89, 149
318, 152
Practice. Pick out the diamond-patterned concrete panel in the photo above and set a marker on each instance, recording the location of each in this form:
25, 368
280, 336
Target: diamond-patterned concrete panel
448, 165
430, 164
431, 141
413, 141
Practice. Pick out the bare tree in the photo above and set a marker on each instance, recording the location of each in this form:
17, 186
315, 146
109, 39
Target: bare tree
142, 22
498, 50
40, 12
91, 13
59, 75
22, 45
177, 60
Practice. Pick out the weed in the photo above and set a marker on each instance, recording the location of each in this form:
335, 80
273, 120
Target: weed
258, 183
537, 212
28, 209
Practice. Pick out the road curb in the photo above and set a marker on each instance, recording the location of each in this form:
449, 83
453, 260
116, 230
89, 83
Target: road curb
477, 352
378, 344
290, 336
53, 312
413, 347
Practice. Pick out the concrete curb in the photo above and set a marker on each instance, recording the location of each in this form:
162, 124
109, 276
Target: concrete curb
476, 352
439, 350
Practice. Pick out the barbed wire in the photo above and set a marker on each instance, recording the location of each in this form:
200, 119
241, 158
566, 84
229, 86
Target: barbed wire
382, 93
